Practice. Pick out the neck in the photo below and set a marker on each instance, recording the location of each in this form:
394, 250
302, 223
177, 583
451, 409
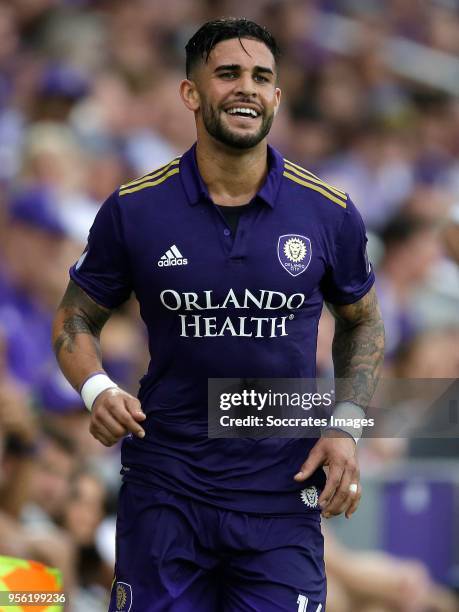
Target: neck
232, 176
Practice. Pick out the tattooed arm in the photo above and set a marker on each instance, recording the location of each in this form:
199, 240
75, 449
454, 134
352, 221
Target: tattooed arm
76, 340
358, 349
76, 335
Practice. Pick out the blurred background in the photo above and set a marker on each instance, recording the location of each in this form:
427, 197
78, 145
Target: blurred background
89, 99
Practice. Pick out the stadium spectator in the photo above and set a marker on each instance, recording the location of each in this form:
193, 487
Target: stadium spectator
411, 248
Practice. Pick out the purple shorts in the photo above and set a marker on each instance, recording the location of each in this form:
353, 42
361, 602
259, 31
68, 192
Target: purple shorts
178, 555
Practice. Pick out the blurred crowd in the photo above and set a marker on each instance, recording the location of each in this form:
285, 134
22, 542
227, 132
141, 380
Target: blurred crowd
89, 99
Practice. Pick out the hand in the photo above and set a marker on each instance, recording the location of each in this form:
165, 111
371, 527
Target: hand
337, 451
114, 414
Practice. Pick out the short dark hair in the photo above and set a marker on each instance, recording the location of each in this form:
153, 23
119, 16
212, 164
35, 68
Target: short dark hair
200, 45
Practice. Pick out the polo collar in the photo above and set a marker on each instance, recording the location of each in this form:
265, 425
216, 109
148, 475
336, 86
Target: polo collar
196, 190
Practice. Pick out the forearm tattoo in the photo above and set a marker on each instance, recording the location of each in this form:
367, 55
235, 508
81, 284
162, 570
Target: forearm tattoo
81, 316
358, 349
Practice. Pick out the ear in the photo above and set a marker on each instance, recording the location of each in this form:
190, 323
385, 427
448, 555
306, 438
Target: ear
190, 95
277, 95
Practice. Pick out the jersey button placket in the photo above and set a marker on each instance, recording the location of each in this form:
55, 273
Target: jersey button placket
239, 250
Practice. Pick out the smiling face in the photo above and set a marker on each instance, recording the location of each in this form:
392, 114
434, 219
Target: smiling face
234, 94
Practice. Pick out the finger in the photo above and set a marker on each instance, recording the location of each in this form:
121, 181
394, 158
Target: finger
312, 463
105, 441
116, 403
333, 481
102, 419
353, 495
122, 414
101, 433
340, 499
116, 429
356, 497
135, 410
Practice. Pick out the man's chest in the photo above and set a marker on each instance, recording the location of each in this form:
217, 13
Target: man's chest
196, 253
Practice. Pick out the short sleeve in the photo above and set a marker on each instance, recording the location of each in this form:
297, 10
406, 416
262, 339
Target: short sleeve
349, 275
103, 269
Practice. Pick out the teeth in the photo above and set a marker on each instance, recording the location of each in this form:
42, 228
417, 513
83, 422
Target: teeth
242, 110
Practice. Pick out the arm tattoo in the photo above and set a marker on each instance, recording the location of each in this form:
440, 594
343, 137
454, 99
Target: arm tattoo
358, 349
81, 316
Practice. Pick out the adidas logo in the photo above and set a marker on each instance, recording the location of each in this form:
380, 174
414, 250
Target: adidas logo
172, 257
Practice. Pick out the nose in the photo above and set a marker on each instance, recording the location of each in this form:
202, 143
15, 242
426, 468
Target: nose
245, 85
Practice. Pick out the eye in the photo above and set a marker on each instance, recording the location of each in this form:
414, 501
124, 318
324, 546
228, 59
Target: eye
228, 75
261, 78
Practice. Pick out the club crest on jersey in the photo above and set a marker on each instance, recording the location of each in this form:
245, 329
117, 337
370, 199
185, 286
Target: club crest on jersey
123, 597
294, 253
310, 497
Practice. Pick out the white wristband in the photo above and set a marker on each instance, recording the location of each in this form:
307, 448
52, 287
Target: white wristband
93, 387
347, 417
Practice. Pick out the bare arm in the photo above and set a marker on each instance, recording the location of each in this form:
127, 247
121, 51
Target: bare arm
76, 335
358, 348
358, 352
76, 340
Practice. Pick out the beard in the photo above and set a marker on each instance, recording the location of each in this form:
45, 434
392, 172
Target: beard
216, 128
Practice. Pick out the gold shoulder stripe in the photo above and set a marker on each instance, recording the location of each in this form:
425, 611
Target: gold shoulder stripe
327, 194
152, 175
150, 183
312, 177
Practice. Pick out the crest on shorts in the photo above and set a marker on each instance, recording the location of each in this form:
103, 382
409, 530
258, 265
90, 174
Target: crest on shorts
123, 597
310, 497
294, 253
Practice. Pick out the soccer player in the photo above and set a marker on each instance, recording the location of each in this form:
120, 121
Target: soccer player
231, 251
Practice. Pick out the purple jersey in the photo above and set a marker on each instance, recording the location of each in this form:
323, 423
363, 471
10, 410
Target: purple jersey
222, 305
